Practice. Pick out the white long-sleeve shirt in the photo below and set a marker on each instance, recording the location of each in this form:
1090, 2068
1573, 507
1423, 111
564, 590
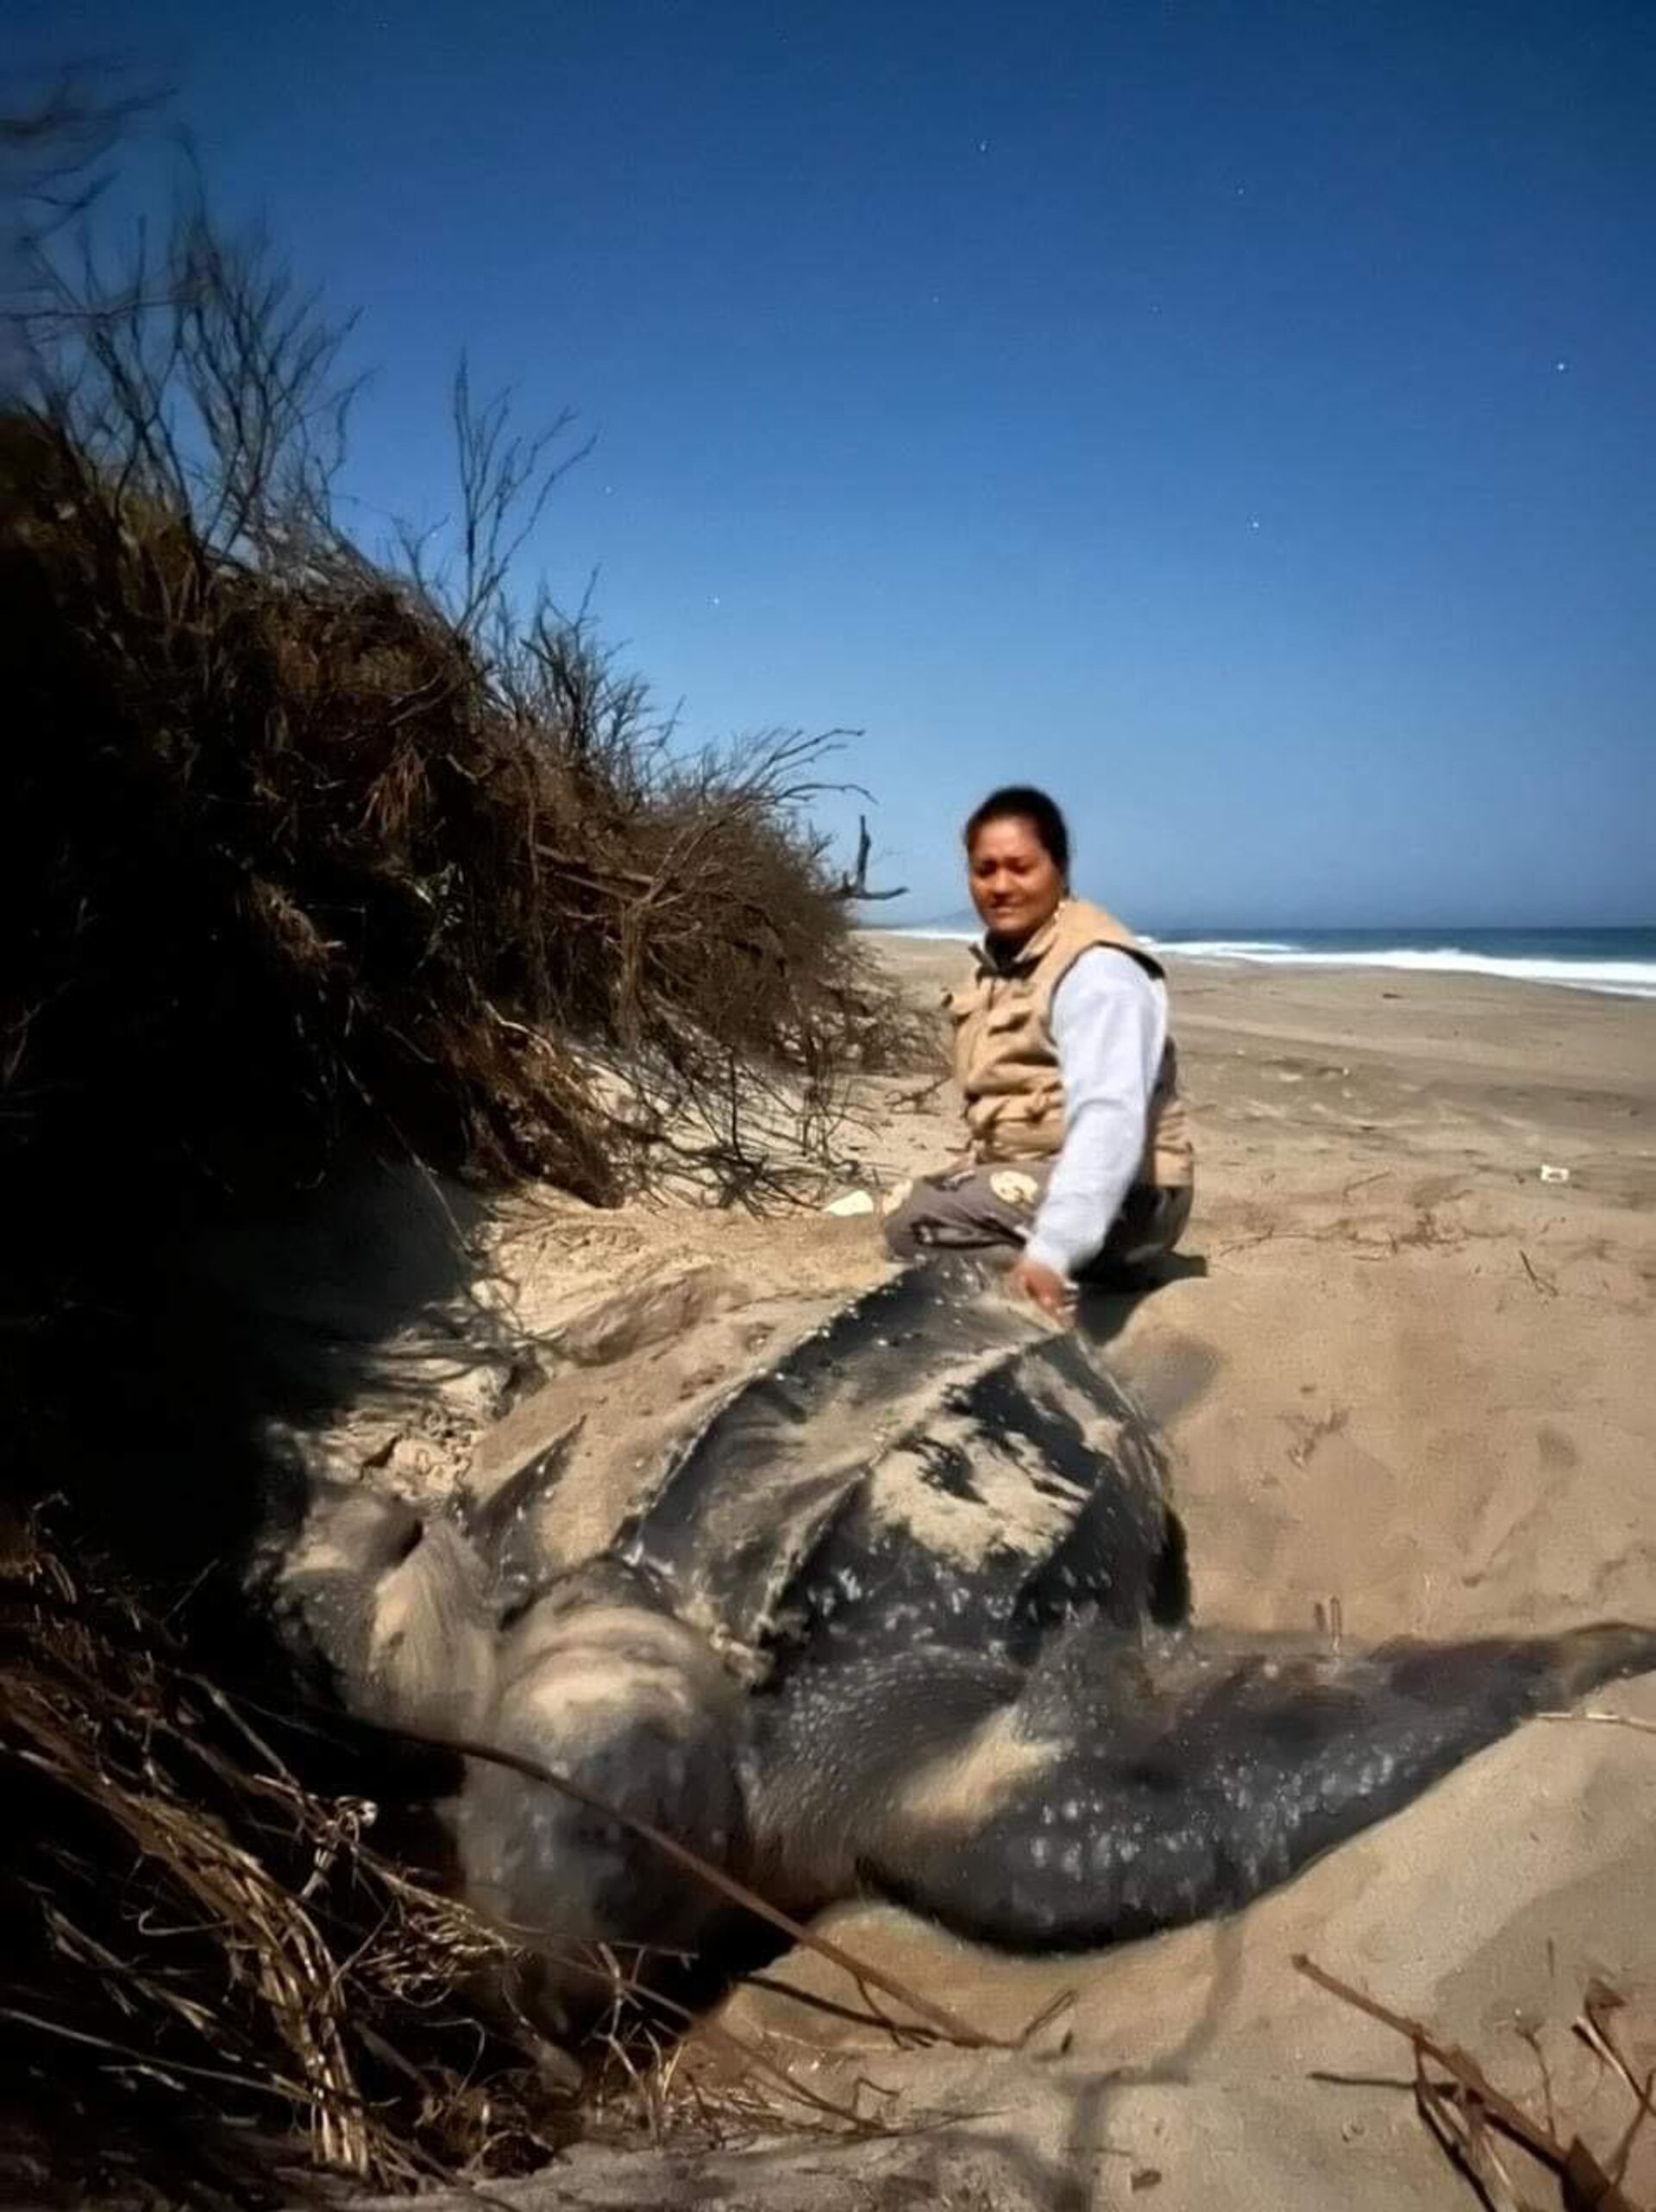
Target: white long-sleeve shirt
1109, 1023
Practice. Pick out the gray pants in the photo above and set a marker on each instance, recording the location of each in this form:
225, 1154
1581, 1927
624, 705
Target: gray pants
981, 1209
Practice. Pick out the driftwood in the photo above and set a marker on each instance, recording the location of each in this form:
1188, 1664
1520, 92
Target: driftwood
854, 886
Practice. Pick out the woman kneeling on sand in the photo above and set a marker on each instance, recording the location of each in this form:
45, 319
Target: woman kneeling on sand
1080, 1157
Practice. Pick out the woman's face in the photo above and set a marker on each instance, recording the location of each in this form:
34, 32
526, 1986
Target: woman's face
1015, 882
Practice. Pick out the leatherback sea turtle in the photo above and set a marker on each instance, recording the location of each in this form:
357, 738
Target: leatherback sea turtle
907, 1615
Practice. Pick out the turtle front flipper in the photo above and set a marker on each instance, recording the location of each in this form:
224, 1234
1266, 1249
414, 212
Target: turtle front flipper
1124, 1789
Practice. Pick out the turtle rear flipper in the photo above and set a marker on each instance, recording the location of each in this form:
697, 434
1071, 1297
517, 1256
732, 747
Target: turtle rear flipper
1128, 1789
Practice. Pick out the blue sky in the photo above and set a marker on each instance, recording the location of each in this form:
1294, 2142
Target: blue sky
1236, 417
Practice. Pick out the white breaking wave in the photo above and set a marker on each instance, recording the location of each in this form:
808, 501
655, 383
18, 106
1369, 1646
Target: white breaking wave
1627, 979
1631, 978
1226, 947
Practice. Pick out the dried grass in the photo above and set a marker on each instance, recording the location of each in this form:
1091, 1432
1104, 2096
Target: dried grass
293, 857
216, 1985
223, 1992
1482, 2131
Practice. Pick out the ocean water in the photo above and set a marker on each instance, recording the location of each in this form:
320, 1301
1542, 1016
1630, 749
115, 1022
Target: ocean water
1619, 962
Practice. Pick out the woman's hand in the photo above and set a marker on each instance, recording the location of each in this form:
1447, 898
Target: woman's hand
1045, 1286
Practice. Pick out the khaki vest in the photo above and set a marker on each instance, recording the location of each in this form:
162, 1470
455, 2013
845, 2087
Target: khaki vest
1007, 1063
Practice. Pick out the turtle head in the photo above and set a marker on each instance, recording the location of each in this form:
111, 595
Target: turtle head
389, 1609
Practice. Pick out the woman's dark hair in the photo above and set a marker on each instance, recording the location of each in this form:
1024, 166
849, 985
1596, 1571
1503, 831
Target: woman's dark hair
1021, 802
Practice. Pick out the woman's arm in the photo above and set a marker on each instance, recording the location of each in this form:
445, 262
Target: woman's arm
1109, 1023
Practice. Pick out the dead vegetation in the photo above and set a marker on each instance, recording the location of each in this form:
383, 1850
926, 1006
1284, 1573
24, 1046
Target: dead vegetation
1312, 1429
216, 1984
224, 1988
303, 848
306, 856
1504, 2147
307, 853
292, 846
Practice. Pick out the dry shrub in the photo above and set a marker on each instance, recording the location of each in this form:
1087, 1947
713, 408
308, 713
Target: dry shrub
347, 841
288, 856
303, 854
215, 1986
304, 857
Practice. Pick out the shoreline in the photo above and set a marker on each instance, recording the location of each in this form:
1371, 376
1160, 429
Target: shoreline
1446, 959
1483, 1070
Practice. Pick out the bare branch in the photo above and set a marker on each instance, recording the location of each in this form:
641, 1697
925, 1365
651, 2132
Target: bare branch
506, 480
854, 885
54, 170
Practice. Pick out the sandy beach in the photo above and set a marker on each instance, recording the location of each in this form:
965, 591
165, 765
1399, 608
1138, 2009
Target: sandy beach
1407, 1381
1427, 1394
1417, 1380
